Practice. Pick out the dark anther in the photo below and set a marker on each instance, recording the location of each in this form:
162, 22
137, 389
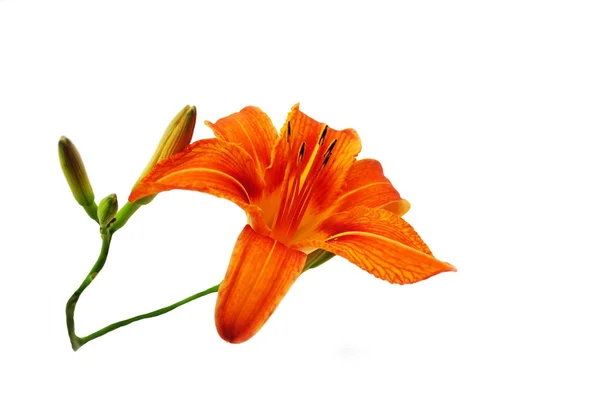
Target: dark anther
328, 152
289, 132
301, 153
330, 148
322, 138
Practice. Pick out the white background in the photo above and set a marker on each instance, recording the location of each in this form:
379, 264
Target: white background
485, 116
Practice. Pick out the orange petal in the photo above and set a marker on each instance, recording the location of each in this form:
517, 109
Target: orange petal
251, 129
260, 273
379, 242
399, 207
209, 165
367, 186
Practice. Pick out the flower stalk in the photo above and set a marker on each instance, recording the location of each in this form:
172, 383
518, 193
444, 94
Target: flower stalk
110, 218
314, 259
77, 342
80, 341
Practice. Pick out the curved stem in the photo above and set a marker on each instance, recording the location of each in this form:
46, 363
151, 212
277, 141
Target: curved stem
314, 259
72, 302
77, 342
155, 313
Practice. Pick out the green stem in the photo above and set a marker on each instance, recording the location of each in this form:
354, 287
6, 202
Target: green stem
314, 259
124, 214
72, 302
76, 341
92, 211
148, 315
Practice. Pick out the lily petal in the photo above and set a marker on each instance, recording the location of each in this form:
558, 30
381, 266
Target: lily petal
399, 207
251, 129
379, 242
260, 273
211, 165
367, 186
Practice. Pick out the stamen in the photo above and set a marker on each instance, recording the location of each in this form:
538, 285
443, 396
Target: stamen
301, 152
289, 131
330, 148
299, 183
327, 154
322, 137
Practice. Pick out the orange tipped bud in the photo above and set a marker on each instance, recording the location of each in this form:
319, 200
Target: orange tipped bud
176, 138
74, 171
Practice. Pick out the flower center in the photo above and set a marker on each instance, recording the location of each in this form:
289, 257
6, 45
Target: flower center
305, 164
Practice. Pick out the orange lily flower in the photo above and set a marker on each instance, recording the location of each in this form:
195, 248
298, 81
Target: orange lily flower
301, 190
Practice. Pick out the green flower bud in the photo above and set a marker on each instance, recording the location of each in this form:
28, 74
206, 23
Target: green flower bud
74, 171
107, 210
176, 138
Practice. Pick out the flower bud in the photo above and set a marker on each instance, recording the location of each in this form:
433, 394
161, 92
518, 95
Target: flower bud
107, 210
74, 171
176, 138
